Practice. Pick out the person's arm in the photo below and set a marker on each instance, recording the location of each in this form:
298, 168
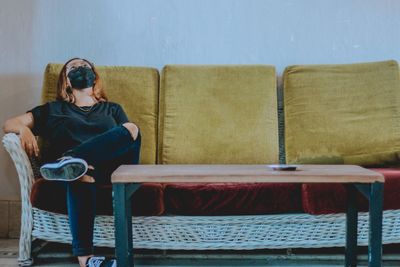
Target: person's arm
22, 125
120, 115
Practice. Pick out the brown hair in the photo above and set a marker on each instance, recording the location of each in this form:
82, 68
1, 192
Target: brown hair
64, 90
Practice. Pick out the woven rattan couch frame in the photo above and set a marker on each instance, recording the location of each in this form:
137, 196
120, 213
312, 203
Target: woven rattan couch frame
192, 232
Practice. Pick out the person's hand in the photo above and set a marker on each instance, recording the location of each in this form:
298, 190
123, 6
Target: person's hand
28, 141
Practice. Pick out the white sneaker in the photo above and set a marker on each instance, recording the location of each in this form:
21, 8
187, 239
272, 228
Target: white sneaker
64, 169
97, 261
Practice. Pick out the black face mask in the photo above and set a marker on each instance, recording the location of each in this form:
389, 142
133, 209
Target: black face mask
81, 77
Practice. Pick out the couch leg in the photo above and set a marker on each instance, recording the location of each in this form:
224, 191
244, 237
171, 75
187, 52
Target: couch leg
25, 247
27, 262
25, 239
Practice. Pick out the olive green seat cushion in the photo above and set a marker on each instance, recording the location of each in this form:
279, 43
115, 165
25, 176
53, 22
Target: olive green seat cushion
218, 114
342, 114
134, 88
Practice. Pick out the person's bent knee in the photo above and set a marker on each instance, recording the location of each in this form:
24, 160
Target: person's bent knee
132, 128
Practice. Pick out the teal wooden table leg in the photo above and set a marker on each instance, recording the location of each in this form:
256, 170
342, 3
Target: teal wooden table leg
122, 194
351, 227
375, 225
374, 193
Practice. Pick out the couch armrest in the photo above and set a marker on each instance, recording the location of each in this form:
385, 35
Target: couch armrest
13, 146
21, 161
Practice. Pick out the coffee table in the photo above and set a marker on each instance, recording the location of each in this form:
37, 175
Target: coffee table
128, 178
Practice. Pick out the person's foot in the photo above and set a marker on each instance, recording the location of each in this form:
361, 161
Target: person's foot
64, 169
97, 261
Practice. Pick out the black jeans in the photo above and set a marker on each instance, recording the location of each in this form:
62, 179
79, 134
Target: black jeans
105, 153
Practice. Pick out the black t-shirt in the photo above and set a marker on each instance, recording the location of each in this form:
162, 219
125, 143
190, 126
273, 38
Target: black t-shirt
64, 125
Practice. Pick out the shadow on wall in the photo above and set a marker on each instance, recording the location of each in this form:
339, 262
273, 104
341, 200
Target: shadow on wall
17, 25
19, 88
18, 93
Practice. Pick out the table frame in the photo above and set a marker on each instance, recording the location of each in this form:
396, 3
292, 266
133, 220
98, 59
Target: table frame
123, 192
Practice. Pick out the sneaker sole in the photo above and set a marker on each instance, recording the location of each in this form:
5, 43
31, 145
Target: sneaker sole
65, 171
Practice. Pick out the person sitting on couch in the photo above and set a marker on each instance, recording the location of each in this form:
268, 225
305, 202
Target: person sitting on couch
89, 138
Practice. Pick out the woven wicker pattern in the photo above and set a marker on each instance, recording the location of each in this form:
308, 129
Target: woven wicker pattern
193, 232
223, 232
13, 146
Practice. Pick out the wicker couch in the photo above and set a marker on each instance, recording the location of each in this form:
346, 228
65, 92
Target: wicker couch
227, 114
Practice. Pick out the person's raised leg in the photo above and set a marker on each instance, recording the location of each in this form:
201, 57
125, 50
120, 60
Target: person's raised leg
102, 148
131, 155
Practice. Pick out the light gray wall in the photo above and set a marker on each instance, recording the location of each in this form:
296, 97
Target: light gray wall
158, 32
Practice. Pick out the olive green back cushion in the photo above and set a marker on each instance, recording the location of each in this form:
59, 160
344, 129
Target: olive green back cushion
342, 114
218, 115
134, 88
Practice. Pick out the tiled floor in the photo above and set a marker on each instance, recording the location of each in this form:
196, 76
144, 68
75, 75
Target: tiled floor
58, 255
